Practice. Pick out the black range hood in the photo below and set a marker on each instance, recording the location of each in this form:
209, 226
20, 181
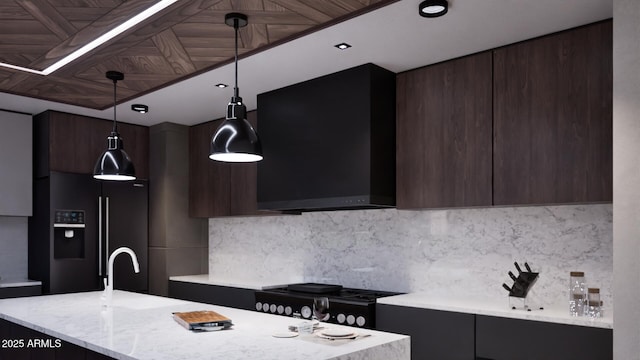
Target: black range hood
329, 143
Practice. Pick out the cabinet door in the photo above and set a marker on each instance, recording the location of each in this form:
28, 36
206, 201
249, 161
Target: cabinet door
16, 163
217, 188
136, 144
512, 339
434, 334
76, 142
553, 118
244, 180
444, 134
208, 180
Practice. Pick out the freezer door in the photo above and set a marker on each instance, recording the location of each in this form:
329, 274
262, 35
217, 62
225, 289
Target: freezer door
126, 223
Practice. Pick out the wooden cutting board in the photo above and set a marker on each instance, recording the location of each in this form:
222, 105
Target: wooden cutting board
193, 319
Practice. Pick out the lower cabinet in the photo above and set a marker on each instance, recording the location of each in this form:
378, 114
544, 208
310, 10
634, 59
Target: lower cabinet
238, 298
445, 335
500, 338
20, 291
19, 342
434, 334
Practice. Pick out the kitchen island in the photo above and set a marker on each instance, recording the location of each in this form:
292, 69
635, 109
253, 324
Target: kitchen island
139, 326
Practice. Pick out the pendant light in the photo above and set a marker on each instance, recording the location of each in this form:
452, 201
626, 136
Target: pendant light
236, 140
114, 163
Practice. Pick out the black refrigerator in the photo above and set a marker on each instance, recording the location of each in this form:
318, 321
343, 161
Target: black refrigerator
77, 222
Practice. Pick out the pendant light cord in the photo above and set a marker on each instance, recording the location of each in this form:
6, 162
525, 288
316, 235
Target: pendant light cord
115, 125
236, 93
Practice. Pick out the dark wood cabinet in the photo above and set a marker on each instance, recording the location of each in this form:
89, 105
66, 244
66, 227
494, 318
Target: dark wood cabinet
553, 118
216, 188
208, 179
435, 334
546, 102
443, 131
73, 143
513, 339
228, 296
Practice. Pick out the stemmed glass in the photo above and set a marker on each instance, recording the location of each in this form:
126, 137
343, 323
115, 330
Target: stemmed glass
321, 308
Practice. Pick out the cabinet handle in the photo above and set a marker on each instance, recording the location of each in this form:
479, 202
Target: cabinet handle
99, 235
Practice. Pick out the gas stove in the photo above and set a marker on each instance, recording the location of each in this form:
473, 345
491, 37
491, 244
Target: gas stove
353, 307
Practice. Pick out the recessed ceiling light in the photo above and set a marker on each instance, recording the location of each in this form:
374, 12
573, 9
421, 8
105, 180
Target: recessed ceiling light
433, 8
141, 108
98, 41
342, 46
221, 85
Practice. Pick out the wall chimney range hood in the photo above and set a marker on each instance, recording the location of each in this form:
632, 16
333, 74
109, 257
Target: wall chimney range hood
329, 143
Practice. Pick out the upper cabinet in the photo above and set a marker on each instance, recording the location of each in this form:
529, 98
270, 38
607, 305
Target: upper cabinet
217, 188
73, 143
16, 163
546, 102
553, 118
444, 134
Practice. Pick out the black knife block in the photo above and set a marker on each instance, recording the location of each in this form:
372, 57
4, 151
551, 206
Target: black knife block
523, 283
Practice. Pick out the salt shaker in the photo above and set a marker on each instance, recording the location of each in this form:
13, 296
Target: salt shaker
577, 293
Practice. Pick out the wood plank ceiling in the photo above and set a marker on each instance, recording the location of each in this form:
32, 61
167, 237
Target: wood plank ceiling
185, 39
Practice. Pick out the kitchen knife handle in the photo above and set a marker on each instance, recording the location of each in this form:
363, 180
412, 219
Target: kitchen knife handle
513, 277
517, 267
506, 287
99, 235
527, 267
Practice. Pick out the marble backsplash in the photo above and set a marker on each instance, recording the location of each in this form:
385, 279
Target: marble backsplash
447, 253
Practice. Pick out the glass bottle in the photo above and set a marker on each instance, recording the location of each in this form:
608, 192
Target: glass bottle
592, 309
577, 293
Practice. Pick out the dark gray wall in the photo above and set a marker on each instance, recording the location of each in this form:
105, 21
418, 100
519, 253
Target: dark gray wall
177, 243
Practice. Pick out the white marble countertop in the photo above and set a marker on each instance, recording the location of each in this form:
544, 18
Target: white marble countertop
140, 326
18, 283
238, 283
555, 314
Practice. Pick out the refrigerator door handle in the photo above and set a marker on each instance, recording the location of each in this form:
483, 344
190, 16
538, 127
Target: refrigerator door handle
99, 235
106, 231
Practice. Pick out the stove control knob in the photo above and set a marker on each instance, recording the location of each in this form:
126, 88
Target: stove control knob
341, 318
273, 308
259, 306
280, 309
351, 319
305, 312
360, 321
288, 310
265, 307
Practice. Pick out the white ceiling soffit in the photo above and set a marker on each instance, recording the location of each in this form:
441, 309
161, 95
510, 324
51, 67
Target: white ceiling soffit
394, 37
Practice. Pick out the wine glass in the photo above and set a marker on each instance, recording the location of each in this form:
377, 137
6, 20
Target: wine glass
321, 308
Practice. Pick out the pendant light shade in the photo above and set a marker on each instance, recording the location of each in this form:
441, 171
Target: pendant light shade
114, 163
236, 140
